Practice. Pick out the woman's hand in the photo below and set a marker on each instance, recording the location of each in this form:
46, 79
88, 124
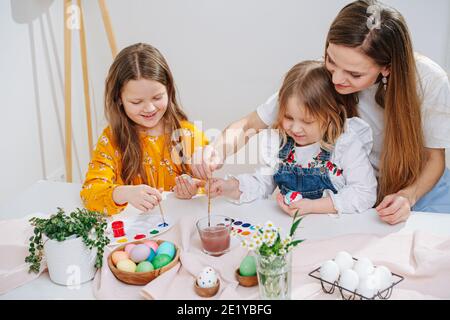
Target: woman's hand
142, 197
394, 208
221, 187
205, 161
186, 187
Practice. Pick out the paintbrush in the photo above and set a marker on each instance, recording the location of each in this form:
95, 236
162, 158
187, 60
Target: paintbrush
159, 203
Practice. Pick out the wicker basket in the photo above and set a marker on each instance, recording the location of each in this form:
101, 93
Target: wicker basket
141, 278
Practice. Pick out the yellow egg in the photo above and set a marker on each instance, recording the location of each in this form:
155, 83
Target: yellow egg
126, 265
118, 256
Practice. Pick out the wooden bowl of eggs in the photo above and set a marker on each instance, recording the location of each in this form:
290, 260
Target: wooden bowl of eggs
140, 262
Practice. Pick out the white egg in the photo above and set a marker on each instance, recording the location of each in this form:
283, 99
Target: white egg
384, 276
363, 267
368, 286
344, 261
329, 271
207, 278
349, 280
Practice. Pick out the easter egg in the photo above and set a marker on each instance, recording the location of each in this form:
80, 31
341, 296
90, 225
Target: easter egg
344, 261
291, 197
139, 253
384, 276
349, 280
161, 260
248, 267
207, 278
129, 247
368, 286
166, 248
151, 256
329, 271
151, 244
116, 256
126, 265
363, 267
144, 266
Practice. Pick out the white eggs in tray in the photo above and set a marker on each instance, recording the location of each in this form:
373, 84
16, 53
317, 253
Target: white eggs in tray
357, 276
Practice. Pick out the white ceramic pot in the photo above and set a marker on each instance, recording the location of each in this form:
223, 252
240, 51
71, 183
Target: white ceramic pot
70, 262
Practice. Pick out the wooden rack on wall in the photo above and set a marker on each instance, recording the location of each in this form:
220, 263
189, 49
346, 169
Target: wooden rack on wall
68, 75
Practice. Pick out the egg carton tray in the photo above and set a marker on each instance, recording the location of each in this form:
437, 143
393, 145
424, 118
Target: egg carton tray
352, 295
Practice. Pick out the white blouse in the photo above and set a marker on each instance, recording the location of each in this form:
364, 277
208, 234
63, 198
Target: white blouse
356, 185
434, 89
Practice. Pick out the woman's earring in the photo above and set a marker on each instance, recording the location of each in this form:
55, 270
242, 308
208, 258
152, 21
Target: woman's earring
385, 81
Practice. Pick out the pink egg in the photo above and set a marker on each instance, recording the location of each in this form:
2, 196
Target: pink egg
118, 256
151, 244
139, 253
129, 247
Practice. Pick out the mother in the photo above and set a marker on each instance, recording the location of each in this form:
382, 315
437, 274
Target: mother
403, 96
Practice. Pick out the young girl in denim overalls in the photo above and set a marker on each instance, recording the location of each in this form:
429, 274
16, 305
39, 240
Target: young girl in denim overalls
318, 159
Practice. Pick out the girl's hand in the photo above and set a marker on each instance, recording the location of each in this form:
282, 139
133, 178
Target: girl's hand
302, 206
221, 187
394, 208
142, 197
186, 187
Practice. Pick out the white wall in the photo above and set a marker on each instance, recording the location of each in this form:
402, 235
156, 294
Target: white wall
227, 57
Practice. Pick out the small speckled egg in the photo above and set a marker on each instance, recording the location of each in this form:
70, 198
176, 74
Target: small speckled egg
344, 261
166, 248
126, 265
368, 286
248, 267
116, 256
151, 256
151, 244
291, 197
363, 267
161, 260
129, 247
207, 278
349, 280
384, 276
139, 253
329, 271
144, 266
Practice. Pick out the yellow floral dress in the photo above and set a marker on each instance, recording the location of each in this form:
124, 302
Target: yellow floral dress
103, 174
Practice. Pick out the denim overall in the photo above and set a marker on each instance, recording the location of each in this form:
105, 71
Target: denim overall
310, 182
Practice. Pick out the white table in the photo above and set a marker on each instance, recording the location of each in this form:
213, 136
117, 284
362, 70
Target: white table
45, 197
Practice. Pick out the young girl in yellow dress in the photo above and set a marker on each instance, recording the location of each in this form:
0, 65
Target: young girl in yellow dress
149, 141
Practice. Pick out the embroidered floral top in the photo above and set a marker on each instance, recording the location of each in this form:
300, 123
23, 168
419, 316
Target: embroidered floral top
104, 169
316, 162
351, 172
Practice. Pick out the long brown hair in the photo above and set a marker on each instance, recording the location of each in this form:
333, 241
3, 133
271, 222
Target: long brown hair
311, 83
389, 45
133, 63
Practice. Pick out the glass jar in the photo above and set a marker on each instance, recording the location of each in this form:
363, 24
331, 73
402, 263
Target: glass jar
274, 276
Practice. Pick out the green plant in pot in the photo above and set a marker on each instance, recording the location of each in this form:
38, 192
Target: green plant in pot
73, 245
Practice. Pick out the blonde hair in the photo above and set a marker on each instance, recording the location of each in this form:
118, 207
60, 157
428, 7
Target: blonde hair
138, 61
311, 83
389, 45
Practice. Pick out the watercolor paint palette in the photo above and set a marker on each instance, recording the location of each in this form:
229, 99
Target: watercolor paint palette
121, 231
242, 228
